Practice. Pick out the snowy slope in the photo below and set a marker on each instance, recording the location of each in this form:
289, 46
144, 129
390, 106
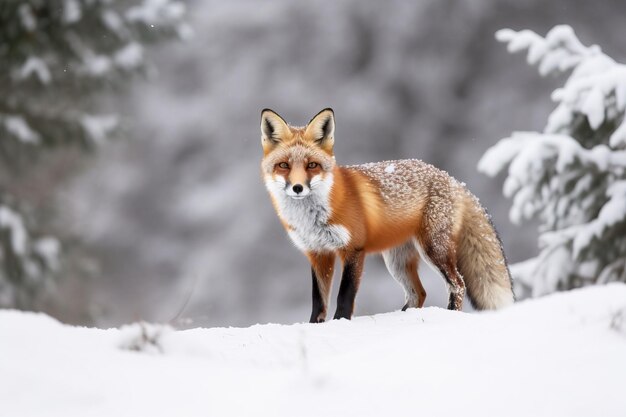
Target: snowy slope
562, 355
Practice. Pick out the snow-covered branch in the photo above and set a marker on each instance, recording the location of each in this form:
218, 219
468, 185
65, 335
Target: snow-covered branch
58, 57
571, 176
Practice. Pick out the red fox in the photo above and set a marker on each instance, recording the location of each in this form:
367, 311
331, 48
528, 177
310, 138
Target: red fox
407, 210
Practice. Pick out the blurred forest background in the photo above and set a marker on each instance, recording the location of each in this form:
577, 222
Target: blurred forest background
169, 219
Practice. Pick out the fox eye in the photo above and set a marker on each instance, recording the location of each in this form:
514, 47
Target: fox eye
312, 165
283, 165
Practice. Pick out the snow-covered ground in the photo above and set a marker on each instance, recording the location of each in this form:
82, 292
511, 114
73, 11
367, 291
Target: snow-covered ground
562, 355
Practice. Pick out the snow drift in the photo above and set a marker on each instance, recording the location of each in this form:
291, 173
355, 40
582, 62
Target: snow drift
561, 355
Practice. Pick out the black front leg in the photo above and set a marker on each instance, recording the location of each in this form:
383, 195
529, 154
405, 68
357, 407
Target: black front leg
322, 267
319, 309
350, 280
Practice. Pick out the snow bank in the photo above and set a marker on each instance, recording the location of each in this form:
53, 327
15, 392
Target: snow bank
561, 355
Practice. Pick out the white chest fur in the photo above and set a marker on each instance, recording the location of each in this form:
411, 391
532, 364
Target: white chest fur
308, 217
320, 237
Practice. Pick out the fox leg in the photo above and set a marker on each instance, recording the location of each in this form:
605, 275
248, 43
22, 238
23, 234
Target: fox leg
350, 280
456, 288
322, 268
417, 283
444, 262
401, 262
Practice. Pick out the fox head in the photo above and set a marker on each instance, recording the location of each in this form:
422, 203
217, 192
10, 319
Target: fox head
298, 161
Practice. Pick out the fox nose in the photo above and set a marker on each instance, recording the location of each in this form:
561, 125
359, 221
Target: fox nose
297, 188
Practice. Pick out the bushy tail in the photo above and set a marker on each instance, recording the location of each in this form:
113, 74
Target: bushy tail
481, 260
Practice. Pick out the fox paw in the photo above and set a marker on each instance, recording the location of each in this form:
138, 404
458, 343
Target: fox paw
318, 318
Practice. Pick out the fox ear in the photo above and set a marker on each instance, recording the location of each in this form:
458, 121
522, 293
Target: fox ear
273, 129
321, 129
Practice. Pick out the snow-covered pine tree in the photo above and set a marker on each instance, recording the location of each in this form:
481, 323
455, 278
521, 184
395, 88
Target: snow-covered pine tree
57, 57
571, 176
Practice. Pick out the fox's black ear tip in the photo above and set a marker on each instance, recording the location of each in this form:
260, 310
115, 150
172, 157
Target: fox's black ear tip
265, 110
327, 109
